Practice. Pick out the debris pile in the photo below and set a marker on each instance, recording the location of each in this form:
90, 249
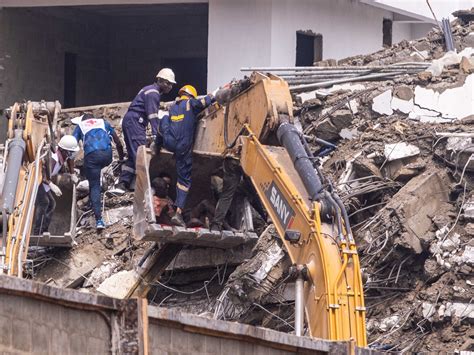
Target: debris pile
399, 150
403, 167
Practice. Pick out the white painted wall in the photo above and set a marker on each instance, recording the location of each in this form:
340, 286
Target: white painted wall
441, 8
239, 35
401, 31
263, 32
348, 28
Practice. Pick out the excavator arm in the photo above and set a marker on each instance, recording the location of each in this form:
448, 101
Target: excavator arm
333, 294
29, 131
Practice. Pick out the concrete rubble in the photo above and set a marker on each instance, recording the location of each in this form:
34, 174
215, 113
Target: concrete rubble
408, 189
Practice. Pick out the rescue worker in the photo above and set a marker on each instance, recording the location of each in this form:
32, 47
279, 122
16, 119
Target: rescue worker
176, 134
234, 182
143, 109
96, 135
45, 202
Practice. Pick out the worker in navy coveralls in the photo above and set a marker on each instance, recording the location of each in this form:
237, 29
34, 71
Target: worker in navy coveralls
144, 109
176, 134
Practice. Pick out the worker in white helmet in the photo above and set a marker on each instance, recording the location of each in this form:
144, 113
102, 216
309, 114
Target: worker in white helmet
144, 109
45, 202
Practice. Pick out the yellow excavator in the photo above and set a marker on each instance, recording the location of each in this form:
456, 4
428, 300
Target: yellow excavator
30, 128
310, 218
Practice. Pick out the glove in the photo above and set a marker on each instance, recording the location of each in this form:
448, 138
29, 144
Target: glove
74, 179
56, 190
215, 92
162, 113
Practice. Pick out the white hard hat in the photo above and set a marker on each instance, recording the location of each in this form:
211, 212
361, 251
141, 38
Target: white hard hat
167, 74
69, 143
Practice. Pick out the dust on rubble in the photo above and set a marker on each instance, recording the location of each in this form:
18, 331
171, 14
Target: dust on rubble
403, 168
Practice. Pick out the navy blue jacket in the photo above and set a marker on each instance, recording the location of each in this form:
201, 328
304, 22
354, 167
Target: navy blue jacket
146, 105
177, 128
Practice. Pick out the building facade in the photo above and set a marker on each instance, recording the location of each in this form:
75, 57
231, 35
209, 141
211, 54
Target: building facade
86, 52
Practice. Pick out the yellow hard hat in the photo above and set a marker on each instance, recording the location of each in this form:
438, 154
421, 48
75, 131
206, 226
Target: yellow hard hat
188, 89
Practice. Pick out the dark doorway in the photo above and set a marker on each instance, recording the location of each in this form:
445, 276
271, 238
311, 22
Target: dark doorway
70, 72
309, 48
192, 71
387, 33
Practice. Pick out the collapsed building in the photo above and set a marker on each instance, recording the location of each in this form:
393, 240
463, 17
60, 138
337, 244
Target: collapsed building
396, 146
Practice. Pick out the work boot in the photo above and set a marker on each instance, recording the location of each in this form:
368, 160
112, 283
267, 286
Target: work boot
100, 224
177, 220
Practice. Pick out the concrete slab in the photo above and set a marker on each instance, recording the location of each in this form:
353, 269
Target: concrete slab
381, 103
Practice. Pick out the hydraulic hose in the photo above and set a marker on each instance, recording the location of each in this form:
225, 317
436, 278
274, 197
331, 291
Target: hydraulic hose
289, 137
16, 149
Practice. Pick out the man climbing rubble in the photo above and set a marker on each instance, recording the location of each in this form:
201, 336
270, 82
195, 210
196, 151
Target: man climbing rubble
176, 134
144, 109
96, 135
45, 202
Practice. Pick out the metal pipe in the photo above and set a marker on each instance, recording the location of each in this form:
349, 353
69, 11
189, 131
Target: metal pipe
16, 149
304, 74
289, 137
340, 81
348, 67
299, 304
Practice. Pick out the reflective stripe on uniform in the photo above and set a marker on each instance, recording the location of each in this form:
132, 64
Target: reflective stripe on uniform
188, 105
149, 91
203, 101
182, 187
127, 168
177, 118
153, 115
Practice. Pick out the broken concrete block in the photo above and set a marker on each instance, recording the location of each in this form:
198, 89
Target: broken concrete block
100, 273
419, 199
466, 65
453, 103
467, 256
364, 167
457, 144
402, 105
469, 228
428, 310
119, 284
460, 310
382, 103
408, 171
468, 209
451, 243
400, 150
388, 323
118, 214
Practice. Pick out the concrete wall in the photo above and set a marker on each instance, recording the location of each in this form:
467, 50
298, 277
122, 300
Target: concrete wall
29, 325
239, 35
39, 319
35, 42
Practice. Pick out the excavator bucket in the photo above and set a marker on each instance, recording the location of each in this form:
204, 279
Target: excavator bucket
145, 226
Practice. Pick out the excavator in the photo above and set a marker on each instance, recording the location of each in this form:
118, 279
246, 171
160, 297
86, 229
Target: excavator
256, 124
31, 126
